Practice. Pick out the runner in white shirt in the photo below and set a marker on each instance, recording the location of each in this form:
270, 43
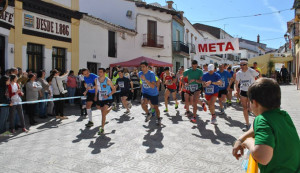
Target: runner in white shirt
245, 77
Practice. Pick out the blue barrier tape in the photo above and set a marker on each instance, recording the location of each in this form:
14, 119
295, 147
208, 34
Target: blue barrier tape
50, 100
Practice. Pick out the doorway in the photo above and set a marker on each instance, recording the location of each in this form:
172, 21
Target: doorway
2, 55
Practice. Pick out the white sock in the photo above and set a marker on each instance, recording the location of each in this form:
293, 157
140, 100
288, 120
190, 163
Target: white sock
89, 112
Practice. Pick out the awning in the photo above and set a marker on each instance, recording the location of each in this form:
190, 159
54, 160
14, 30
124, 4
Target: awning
281, 59
137, 61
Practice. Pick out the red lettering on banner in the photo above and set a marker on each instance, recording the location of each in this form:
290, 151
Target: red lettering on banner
212, 47
229, 46
202, 49
221, 46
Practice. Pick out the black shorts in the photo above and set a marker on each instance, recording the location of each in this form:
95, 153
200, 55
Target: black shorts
171, 90
244, 94
152, 99
104, 102
124, 94
192, 93
90, 97
222, 92
232, 86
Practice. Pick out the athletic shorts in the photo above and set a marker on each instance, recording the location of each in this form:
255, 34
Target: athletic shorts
192, 93
152, 99
244, 93
222, 92
232, 86
171, 90
104, 102
208, 97
90, 97
124, 94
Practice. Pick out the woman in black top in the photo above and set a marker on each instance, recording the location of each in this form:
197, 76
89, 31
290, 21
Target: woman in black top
4, 99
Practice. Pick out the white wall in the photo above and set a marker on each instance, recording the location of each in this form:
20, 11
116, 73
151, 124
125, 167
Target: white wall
67, 3
115, 12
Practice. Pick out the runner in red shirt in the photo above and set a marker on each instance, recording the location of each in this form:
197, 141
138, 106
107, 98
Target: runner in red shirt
170, 82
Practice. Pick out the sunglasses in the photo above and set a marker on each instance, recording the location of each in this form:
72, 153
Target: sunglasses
243, 64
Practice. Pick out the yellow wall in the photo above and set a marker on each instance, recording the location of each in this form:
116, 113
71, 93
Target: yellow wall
19, 40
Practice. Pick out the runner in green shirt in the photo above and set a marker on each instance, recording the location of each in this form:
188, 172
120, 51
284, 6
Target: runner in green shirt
273, 141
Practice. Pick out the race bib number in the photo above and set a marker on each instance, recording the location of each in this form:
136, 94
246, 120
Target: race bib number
90, 85
193, 87
145, 85
245, 83
210, 89
223, 84
121, 84
102, 94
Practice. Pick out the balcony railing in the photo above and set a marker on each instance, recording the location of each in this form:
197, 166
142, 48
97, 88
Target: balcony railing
153, 41
179, 46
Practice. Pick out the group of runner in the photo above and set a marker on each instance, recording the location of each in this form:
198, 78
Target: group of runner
191, 83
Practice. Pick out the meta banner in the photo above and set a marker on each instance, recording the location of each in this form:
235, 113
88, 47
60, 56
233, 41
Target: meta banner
223, 46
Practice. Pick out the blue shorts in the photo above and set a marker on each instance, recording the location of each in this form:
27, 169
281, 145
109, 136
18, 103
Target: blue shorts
152, 99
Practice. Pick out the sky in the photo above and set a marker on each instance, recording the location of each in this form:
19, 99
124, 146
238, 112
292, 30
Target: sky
271, 27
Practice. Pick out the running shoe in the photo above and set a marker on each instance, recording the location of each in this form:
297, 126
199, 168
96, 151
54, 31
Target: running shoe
237, 100
222, 111
25, 130
204, 107
101, 131
246, 128
214, 121
159, 121
166, 110
127, 111
176, 106
153, 112
89, 124
129, 105
148, 117
193, 120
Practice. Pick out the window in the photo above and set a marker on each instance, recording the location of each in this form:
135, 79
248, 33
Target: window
112, 51
152, 33
35, 57
59, 58
92, 67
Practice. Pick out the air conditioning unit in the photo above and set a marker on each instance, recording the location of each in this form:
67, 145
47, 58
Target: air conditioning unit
129, 13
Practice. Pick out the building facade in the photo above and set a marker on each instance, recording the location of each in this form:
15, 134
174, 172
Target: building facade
39, 35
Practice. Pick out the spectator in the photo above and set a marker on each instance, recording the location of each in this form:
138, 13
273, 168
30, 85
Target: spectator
32, 94
4, 99
136, 83
50, 109
284, 73
15, 94
59, 92
71, 86
43, 94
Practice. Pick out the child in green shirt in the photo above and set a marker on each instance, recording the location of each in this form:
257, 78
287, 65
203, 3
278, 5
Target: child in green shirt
273, 140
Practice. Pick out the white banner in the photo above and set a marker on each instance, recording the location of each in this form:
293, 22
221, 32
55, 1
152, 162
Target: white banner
224, 46
45, 24
8, 16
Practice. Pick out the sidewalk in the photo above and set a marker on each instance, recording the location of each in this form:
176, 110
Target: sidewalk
131, 145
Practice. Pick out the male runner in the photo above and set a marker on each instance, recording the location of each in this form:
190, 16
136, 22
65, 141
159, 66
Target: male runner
223, 89
245, 77
89, 79
105, 89
211, 83
193, 86
170, 82
231, 88
149, 91
125, 85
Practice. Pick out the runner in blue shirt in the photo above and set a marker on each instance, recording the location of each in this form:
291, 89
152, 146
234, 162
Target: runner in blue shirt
89, 79
211, 82
226, 82
149, 91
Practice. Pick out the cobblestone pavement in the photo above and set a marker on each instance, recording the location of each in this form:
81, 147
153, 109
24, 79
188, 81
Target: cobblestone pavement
130, 144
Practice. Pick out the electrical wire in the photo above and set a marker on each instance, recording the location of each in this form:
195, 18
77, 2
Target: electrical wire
236, 17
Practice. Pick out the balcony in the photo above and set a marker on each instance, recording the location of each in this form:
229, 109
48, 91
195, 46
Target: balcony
181, 48
192, 48
153, 41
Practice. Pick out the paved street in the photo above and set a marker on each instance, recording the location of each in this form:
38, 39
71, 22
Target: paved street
131, 145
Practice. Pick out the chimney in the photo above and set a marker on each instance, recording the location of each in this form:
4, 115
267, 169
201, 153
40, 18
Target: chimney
258, 40
170, 4
181, 14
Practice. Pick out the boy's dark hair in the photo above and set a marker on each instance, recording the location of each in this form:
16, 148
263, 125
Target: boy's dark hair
84, 69
166, 68
144, 63
194, 62
12, 77
102, 69
40, 73
266, 92
229, 68
121, 71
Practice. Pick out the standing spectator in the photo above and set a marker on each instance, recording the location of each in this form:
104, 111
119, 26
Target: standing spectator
136, 83
71, 85
4, 99
58, 92
50, 108
43, 94
32, 94
15, 94
284, 73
